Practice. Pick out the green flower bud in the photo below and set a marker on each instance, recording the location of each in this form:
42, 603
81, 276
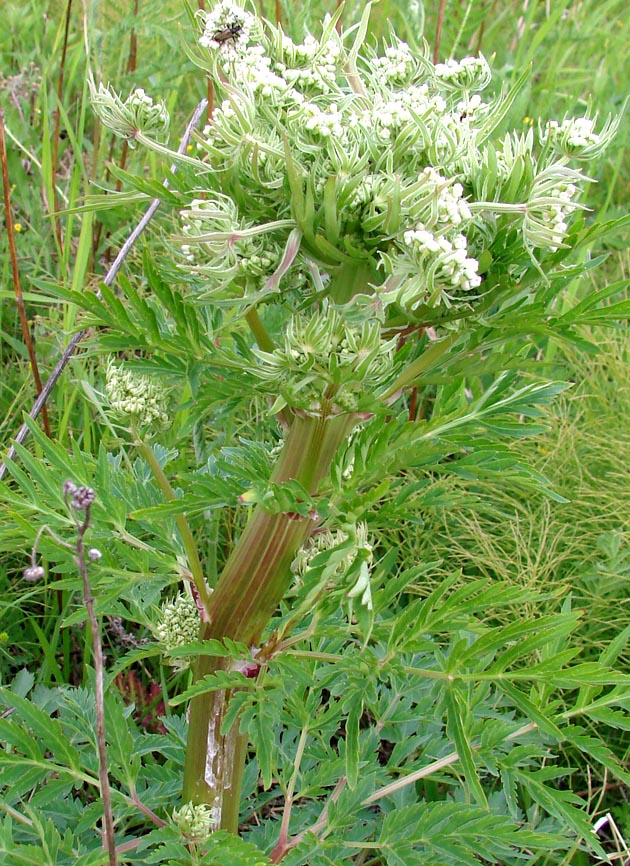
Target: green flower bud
326, 360
136, 396
196, 822
355, 563
178, 625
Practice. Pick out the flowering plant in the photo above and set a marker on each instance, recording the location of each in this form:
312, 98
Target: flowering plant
361, 257
369, 199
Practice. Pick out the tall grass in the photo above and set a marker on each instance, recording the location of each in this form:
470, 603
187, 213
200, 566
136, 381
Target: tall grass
579, 548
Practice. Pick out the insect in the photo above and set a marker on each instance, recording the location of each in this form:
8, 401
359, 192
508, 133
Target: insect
232, 31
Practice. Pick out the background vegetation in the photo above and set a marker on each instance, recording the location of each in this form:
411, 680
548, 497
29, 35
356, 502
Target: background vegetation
572, 552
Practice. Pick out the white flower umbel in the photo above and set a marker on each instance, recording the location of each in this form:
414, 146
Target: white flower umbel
226, 29
575, 137
400, 112
439, 268
254, 68
311, 66
438, 202
470, 73
396, 66
136, 396
178, 625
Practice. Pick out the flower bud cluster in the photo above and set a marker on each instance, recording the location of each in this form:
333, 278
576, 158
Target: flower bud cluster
211, 225
136, 396
548, 221
81, 498
446, 265
325, 361
431, 269
323, 123
137, 114
178, 625
356, 561
310, 66
448, 205
551, 201
254, 69
195, 821
576, 137
224, 247
396, 65
390, 114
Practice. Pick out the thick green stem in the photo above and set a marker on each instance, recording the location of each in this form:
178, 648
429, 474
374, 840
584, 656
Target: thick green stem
255, 578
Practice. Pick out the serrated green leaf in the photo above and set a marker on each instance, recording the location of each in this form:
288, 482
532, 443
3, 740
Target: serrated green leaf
48, 730
455, 713
217, 681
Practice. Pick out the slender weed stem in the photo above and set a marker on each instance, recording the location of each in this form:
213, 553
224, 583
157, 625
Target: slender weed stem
19, 298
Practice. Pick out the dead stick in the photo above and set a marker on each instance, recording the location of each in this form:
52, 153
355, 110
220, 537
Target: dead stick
438, 31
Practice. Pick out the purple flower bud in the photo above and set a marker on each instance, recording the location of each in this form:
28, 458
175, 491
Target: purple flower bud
83, 498
94, 554
69, 488
33, 573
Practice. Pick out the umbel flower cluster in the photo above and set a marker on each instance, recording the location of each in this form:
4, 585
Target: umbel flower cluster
136, 396
178, 625
137, 114
326, 363
366, 184
323, 155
